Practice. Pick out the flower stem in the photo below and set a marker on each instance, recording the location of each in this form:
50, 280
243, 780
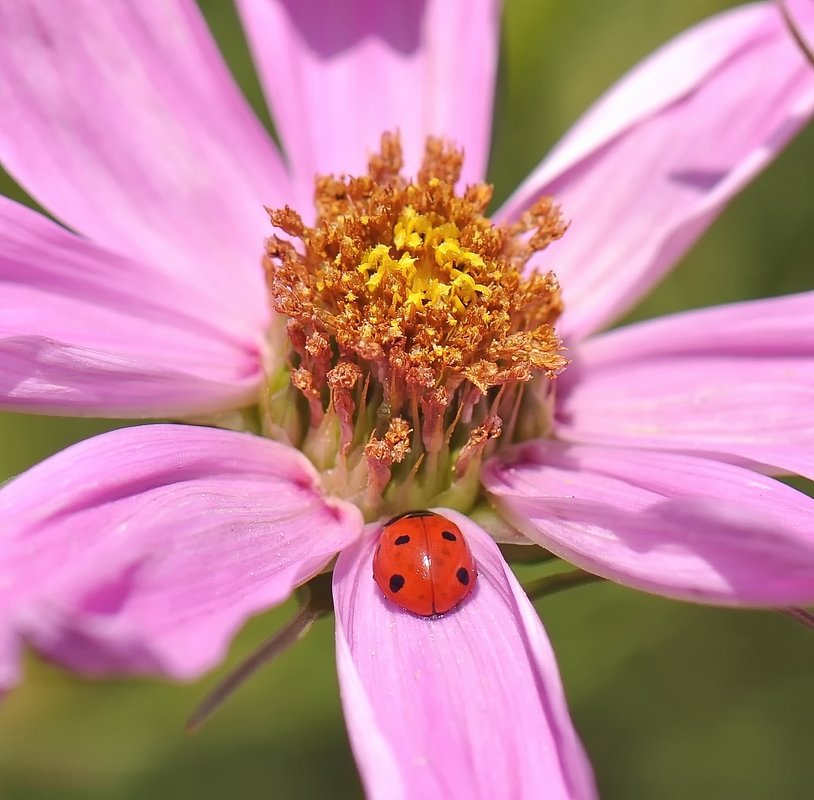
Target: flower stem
284, 638
526, 554
799, 615
550, 584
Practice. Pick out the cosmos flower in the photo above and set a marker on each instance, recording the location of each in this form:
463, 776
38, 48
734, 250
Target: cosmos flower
392, 350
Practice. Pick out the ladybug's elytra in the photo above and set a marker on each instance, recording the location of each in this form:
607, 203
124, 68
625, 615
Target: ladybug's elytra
423, 563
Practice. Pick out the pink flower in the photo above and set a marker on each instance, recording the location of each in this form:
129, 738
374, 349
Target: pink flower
143, 550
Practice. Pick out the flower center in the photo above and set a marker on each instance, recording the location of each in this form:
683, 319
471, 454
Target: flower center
414, 332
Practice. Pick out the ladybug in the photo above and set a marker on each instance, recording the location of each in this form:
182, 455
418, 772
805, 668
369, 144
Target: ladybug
423, 563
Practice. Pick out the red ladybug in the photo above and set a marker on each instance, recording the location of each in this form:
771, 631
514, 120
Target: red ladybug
423, 563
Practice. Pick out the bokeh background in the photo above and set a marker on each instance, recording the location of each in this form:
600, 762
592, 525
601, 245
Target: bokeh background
672, 701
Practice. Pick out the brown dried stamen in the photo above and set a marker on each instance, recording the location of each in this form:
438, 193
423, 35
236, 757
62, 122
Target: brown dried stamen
412, 324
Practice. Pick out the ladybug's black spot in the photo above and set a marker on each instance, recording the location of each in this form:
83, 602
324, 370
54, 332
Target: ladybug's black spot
449, 536
462, 575
403, 539
397, 582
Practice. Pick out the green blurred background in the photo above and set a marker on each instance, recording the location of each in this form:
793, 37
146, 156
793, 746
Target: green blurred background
672, 701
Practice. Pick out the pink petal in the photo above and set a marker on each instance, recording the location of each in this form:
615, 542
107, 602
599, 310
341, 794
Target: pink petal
736, 380
652, 164
468, 704
85, 331
144, 549
121, 119
676, 525
338, 75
